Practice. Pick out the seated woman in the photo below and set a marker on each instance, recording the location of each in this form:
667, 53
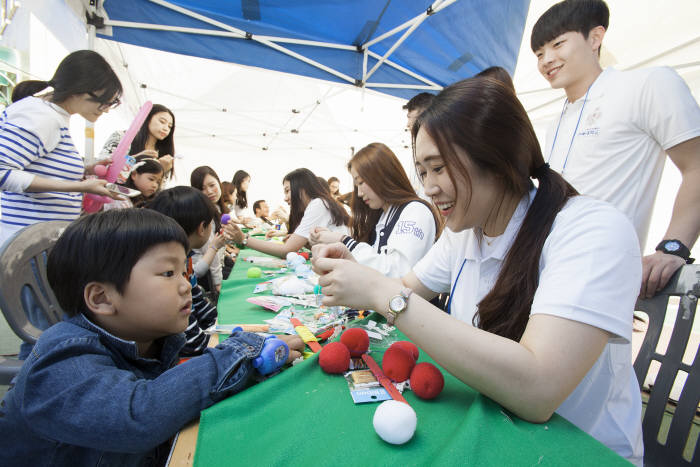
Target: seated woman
543, 282
311, 205
155, 138
392, 227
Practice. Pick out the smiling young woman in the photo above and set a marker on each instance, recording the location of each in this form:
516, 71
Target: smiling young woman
542, 282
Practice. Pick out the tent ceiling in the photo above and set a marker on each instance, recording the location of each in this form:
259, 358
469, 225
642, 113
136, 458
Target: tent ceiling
396, 47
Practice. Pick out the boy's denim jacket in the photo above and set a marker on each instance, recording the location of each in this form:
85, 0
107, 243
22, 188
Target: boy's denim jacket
85, 397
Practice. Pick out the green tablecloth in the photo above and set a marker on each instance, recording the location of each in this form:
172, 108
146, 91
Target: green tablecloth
304, 416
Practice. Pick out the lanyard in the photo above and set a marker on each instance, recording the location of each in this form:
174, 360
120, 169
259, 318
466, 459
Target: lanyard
556, 133
452, 294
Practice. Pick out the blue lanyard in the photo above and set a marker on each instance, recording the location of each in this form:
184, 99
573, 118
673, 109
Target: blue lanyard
452, 294
556, 133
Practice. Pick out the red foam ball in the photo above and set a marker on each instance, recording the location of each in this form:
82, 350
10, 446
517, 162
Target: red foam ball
334, 358
409, 347
397, 364
356, 340
305, 254
426, 380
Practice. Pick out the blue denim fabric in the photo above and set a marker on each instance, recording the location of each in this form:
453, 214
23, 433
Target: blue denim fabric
85, 397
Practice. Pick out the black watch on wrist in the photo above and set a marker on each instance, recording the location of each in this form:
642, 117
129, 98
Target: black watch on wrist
676, 248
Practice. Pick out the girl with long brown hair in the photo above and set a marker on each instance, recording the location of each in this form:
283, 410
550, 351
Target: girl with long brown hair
311, 205
392, 227
543, 282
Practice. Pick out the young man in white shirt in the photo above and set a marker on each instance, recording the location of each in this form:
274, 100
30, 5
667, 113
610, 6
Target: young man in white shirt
615, 129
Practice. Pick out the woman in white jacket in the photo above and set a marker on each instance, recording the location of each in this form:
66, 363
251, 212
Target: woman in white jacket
392, 228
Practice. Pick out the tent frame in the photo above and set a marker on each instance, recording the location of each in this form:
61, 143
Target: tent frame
97, 16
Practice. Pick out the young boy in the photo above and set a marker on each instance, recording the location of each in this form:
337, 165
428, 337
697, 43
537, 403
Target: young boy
195, 213
100, 388
615, 129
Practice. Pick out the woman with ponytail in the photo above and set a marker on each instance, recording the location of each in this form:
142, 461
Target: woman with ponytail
41, 171
543, 282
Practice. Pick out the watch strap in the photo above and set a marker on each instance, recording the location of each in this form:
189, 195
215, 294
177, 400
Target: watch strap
682, 251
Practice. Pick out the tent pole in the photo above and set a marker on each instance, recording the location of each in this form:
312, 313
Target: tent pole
90, 126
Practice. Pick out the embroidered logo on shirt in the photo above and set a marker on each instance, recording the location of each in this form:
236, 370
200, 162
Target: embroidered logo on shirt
408, 227
594, 131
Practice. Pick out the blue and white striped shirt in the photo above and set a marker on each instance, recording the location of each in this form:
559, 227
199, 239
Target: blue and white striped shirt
35, 141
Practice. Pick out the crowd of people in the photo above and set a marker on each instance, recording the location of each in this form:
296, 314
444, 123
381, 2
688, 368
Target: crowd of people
539, 248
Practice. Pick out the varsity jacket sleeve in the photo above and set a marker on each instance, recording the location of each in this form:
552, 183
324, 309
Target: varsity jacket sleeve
410, 239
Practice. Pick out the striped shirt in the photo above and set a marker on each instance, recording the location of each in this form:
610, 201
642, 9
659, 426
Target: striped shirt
35, 141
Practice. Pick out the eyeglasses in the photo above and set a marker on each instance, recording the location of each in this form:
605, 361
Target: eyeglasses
104, 105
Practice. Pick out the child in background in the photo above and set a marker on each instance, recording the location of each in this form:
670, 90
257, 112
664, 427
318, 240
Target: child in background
211, 255
146, 176
239, 212
195, 214
101, 388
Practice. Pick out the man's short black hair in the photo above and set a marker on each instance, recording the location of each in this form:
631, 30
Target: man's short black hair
567, 16
419, 101
104, 247
257, 204
188, 206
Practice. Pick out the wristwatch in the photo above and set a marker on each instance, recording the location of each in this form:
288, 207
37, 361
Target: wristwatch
398, 304
245, 239
676, 248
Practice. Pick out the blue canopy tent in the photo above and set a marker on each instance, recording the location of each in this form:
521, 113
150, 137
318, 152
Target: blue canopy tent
397, 47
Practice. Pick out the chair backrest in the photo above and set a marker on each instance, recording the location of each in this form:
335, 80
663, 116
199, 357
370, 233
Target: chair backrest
685, 284
26, 299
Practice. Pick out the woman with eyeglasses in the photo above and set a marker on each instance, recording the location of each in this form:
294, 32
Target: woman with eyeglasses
155, 139
41, 172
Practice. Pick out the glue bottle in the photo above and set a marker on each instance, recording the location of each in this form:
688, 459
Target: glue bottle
319, 295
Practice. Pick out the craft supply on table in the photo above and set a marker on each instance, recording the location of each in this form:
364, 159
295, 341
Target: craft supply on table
306, 335
228, 328
395, 422
254, 272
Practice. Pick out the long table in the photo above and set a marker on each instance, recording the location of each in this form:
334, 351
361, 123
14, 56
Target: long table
304, 416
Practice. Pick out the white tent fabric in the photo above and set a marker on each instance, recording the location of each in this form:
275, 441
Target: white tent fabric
275, 122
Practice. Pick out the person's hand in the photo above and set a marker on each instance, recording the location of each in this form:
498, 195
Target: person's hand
657, 269
330, 250
323, 235
295, 344
147, 152
271, 233
90, 168
96, 186
233, 232
219, 241
167, 162
347, 283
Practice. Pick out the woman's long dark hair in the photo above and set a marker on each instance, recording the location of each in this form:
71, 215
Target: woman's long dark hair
379, 168
241, 196
197, 180
82, 71
485, 119
304, 181
165, 146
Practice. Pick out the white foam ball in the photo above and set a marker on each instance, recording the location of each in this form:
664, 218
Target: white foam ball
395, 422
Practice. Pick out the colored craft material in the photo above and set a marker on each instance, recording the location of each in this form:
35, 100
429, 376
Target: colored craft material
395, 422
254, 272
381, 377
334, 358
356, 340
397, 364
427, 381
93, 203
304, 254
306, 335
409, 347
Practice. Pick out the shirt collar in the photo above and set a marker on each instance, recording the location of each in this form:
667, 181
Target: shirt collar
169, 352
503, 242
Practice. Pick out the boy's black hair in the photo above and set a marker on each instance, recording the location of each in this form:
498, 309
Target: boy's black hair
419, 101
187, 205
567, 16
104, 247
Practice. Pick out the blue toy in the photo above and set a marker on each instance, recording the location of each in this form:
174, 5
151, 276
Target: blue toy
274, 354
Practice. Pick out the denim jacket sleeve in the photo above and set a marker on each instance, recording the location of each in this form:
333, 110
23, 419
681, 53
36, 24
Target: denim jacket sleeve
76, 394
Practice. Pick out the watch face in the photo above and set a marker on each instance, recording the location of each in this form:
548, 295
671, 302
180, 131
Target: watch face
397, 303
672, 246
